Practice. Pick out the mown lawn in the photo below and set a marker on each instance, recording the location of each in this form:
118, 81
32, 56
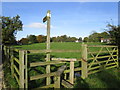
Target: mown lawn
98, 80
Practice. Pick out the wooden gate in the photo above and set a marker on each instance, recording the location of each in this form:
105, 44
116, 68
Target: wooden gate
101, 57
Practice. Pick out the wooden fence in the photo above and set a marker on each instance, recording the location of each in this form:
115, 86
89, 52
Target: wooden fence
104, 57
18, 60
91, 61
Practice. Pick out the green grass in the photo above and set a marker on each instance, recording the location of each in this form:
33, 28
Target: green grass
98, 80
104, 79
55, 45
59, 46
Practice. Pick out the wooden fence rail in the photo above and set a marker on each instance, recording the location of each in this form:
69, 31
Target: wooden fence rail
105, 57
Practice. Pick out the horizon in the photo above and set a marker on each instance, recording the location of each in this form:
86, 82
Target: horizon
85, 17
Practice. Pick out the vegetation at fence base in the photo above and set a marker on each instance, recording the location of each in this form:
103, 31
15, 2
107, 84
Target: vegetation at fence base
10, 82
104, 79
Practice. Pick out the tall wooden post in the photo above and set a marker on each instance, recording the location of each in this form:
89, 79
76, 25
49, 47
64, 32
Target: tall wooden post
48, 46
84, 61
21, 67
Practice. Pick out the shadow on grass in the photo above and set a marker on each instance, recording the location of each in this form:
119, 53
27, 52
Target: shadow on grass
110, 79
81, 83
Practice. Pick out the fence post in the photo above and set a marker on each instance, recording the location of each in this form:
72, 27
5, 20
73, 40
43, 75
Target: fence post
57, 82
84, 61
26, 72
71, 72
21, 67
12, 62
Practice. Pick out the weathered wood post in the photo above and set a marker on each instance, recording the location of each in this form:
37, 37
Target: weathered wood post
84, 61
48, 45
57, 82
71, 78
26, 71
57, 77
117, 57
47, 18
21, 68
12, 62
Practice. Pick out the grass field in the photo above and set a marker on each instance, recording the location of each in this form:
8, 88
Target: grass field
59, 46
106, 79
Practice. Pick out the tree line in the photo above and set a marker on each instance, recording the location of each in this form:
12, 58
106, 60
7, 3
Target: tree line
96, 37
30, 39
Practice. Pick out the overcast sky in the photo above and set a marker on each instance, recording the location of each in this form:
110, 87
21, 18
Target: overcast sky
77, 19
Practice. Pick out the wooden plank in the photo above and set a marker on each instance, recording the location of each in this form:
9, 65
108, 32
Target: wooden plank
111, 67
57, 82
21, 67
57, 76
71, 72
67, 84
65, 76
111, 64
60, 70
64, 59
94, 68
101, 57
38, 51
75, 69
117, 57
26, 70
84, 61
17, 79
60, 51
16, 69
42, 76
101, 46
45, 63
101, 62
92, 72
101, 52
48, 80
16, 60
55, 51
12, 63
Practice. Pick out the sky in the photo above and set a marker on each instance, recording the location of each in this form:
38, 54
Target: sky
76, 19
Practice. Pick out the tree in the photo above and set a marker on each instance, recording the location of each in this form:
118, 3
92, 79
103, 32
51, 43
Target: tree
32, 39
10, 26
85, 39
24, 41
39, 38
114, 32
80, 39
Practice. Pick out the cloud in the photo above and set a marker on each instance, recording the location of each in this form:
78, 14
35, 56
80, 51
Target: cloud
37, 25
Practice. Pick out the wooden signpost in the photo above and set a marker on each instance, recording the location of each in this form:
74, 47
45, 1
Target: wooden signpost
47, 18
